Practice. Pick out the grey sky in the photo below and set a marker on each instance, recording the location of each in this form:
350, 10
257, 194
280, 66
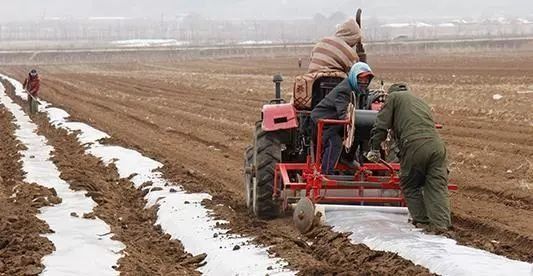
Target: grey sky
262, 9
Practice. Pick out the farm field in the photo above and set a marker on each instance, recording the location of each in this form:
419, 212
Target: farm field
196, 117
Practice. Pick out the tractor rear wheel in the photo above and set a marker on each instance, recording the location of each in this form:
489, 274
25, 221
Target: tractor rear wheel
267, 153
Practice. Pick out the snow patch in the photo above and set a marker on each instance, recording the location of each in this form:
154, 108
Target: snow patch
107, 18
254, 42
149, 42
405, 25
396, 25
446, 25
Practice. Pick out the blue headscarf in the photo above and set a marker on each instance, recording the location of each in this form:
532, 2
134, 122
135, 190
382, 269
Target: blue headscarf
357, 68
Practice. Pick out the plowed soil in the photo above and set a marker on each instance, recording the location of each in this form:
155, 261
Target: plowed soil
148, 251
197, 117
21, 244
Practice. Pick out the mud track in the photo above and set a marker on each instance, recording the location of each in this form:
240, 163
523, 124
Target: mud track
196, 117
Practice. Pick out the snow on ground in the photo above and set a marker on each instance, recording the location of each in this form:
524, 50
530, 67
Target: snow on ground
82, 246
404, 25
391, 232
149, 42
180, 214
254, 42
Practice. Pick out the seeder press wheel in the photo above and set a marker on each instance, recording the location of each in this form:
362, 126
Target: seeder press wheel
304, 215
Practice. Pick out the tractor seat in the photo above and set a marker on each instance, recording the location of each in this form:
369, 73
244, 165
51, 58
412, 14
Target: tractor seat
321, 87
309, 89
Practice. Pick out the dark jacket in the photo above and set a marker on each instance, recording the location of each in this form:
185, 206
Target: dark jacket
335, 104
408, 116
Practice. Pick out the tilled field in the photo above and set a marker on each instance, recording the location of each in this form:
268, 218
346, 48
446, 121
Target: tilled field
148, 250
196, 117
21, 246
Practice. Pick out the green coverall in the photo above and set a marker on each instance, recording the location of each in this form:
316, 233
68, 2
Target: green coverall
424, 173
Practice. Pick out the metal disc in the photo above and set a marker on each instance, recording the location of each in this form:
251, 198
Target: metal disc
304, 214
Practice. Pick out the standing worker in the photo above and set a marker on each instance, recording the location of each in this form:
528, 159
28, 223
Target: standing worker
32, 84
424, 172
335, 106
300, 63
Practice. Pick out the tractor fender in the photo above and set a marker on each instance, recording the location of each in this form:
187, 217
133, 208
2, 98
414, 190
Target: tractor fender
278, 116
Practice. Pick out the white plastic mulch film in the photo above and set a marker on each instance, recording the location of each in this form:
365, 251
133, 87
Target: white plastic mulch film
82, 246
180, 214
390, 231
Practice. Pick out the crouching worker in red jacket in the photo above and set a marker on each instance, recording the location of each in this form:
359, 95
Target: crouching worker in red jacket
32, 84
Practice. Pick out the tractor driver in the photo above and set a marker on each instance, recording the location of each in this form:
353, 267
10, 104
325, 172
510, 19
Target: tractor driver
424, 173
334, 106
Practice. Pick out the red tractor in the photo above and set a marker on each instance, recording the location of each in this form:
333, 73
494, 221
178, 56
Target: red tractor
283, 164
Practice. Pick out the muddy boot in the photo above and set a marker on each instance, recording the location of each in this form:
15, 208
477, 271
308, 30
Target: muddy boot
421, 225
435, 230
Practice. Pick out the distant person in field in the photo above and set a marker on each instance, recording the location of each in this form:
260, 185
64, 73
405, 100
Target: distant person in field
337, 53
300, 63
32, 84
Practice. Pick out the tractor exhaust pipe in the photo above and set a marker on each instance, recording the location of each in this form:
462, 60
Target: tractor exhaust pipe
359, 48
277, 80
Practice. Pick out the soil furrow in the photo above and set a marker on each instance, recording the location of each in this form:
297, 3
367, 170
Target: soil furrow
313, 254
491, 204
170, 116
22, 245
474, 232
148, 250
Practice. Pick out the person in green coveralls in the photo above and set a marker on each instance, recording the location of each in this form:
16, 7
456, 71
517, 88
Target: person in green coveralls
424, 172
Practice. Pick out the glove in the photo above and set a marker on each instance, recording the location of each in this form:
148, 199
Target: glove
373, 156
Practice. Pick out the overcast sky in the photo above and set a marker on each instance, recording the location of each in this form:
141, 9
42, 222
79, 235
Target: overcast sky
261, 9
